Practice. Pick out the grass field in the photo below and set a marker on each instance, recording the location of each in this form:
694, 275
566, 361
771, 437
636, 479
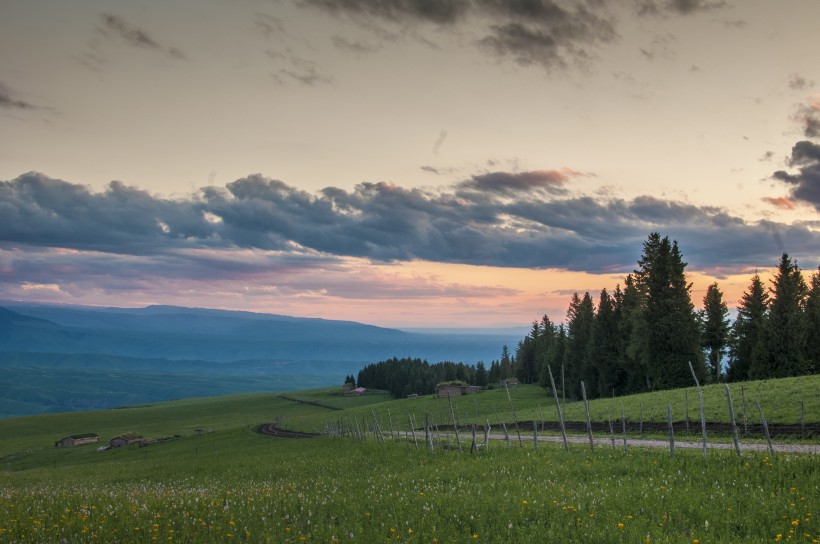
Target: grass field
232, 484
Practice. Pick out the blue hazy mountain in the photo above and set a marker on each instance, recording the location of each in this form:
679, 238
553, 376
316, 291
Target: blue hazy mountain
178, 333
60, 358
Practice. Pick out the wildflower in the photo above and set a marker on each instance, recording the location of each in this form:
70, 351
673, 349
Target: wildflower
620, 526
475, 536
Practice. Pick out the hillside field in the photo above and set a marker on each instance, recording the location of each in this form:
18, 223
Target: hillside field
215, 479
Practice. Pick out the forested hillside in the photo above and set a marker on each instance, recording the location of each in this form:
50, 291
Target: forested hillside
642, 336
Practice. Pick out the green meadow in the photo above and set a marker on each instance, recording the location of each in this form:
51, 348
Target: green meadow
215, 479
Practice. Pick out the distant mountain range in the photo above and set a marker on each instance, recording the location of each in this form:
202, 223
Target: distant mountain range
234, 351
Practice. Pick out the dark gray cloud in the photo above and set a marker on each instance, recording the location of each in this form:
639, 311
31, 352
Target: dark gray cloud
491, 219
675, 7
506, 183
442, 12
809, 118
805, 184
799, 83
546, 33
114, 26
10, 100
293, 68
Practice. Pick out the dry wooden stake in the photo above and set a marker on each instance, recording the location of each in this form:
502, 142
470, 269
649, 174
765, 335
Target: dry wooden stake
686, 393
765, 429
671, 430
640, 427
515, 417
413, 430
611, 432
487, 435
455, 423
702, 413
535, 435
473, 446
390, 419
589, 423
558, 408
745, 411
732, 418
623, 425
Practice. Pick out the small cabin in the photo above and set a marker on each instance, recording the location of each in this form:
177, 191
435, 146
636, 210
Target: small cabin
126, 440
76, 440
444, 391
508, 382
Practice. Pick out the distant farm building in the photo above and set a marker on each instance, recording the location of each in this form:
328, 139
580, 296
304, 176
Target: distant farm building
355, 392
127, 440
76, 440
508, 382
456, 390
346, 388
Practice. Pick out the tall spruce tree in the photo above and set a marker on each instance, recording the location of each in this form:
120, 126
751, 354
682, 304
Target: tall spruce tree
604, 357
813, 324
787, 330
633, 333
748, 338
580, 321
714, 329
674, 335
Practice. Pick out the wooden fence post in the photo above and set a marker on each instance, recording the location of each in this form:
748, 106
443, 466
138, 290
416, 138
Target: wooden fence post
732, 418
515, 417
765, 429
671, 430
413, 429
558, 407
589, 423
535, 435
473, 446
702, 414
623, 425
487, 435
455, 423
745, 411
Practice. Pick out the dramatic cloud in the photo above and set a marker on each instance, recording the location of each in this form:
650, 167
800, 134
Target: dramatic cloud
546, 33
501, 219
116, 27
806, 183
8, 100
440, 12
676, 7
505, 183
809, 118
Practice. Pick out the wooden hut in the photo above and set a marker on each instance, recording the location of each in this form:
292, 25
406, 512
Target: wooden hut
76, 440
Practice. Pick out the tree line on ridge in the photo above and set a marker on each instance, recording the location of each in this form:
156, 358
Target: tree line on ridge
643, 336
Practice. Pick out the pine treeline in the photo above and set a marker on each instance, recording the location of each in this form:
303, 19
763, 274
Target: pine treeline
407, 376
643, 337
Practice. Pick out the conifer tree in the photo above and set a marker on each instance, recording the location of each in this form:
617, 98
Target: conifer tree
748, 339
674, 335
787, 330
604, 356
580, 321
714, 329
633, 334
813, 324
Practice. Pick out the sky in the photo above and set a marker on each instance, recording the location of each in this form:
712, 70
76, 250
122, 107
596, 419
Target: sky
406, 163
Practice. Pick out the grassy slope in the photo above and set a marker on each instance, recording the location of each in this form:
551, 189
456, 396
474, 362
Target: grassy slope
233, 484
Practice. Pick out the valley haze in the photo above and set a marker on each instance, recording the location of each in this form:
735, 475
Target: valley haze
55, 354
